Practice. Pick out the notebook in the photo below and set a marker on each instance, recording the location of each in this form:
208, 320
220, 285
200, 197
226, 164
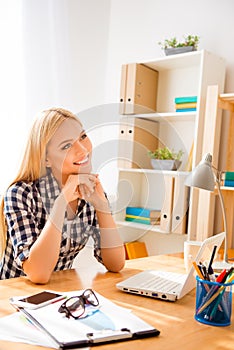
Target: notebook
169, 285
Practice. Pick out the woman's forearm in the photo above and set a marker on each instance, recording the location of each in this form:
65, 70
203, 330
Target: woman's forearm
44, 253
113, 253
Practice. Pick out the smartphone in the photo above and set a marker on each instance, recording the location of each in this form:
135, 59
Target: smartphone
37, 300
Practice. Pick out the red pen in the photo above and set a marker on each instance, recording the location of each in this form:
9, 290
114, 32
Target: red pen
221, 276
228, 274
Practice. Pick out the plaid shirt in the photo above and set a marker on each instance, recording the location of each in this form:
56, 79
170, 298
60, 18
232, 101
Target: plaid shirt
27, 208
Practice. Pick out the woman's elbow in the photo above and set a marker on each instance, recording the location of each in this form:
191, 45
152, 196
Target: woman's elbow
114, 260
117, 267
38, 277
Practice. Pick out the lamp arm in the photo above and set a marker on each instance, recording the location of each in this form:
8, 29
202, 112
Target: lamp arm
218, 179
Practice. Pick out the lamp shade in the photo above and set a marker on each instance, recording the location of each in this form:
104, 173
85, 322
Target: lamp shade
202, 176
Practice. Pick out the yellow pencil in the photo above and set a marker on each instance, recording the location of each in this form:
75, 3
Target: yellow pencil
198, 271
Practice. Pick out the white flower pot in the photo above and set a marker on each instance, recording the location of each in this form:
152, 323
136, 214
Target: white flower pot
176, 50
159, 164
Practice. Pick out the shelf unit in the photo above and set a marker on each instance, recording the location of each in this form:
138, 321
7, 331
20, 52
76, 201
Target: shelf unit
179, 75
216, 103
208, 206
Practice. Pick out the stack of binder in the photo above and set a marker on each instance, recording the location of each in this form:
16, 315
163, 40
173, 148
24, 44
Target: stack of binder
138, 90
175, 205
136, 137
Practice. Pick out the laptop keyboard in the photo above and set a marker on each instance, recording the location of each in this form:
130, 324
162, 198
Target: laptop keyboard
164, 282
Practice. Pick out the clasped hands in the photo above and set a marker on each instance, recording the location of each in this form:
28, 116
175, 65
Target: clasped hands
85, 186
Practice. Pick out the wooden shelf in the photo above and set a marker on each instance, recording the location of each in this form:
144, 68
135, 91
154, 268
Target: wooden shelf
153, 171
227, 97
154, 228
143, 227
175, 61
226, 188
169, 116
226, 102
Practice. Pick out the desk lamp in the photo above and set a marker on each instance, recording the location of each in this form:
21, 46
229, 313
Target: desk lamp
205, 176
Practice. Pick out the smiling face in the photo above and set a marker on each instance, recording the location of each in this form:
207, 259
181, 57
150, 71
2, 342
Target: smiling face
69, 151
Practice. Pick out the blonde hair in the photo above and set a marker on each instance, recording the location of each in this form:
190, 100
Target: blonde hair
33, 163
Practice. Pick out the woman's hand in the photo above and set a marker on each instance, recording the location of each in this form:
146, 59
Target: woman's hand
79, 186
97, 198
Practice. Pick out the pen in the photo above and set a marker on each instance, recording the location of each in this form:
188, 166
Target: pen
210, 270
222, 276
214, 310
198, 270
228, 274
229, 280
213, 289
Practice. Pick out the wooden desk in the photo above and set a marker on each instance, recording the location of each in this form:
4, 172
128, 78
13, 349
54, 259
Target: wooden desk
175, 320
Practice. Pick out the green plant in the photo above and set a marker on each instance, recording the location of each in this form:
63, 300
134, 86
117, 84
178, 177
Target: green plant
165, 154
189, 40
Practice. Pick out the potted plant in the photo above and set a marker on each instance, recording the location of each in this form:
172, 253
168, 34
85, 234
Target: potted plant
173, 46
165, 159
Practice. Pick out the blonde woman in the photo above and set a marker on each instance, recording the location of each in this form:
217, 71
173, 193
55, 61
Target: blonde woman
55, 204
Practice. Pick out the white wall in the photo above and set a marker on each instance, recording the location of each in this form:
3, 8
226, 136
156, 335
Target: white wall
65, 46
53, 53
136, 27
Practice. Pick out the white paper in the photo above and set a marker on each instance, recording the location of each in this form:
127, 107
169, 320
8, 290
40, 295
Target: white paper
107, 317
16, 328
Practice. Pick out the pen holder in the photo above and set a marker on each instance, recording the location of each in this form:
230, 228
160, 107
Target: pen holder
213, 302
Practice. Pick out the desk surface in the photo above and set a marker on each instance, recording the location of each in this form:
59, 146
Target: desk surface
175, 320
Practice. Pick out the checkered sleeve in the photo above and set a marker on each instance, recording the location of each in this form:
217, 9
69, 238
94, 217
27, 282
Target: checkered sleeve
22, 213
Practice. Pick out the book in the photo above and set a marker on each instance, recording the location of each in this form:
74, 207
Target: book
186, 110
137, 217
143, 220
144, 212
185, 105
229, 175
138, 220
185, 99
229, 183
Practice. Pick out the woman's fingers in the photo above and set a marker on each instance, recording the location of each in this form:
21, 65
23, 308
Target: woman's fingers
80, 186
88, 180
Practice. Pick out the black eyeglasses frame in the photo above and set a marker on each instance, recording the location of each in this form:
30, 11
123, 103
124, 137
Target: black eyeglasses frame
83, 301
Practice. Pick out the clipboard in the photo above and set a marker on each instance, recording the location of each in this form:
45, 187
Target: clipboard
133, 327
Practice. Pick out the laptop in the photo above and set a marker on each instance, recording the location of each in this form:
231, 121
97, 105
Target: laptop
169, 285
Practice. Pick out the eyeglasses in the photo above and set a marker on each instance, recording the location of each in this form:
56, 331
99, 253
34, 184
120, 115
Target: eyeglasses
75, 306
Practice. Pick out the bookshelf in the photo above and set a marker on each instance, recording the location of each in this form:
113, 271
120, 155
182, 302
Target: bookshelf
186, 74
216, 104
